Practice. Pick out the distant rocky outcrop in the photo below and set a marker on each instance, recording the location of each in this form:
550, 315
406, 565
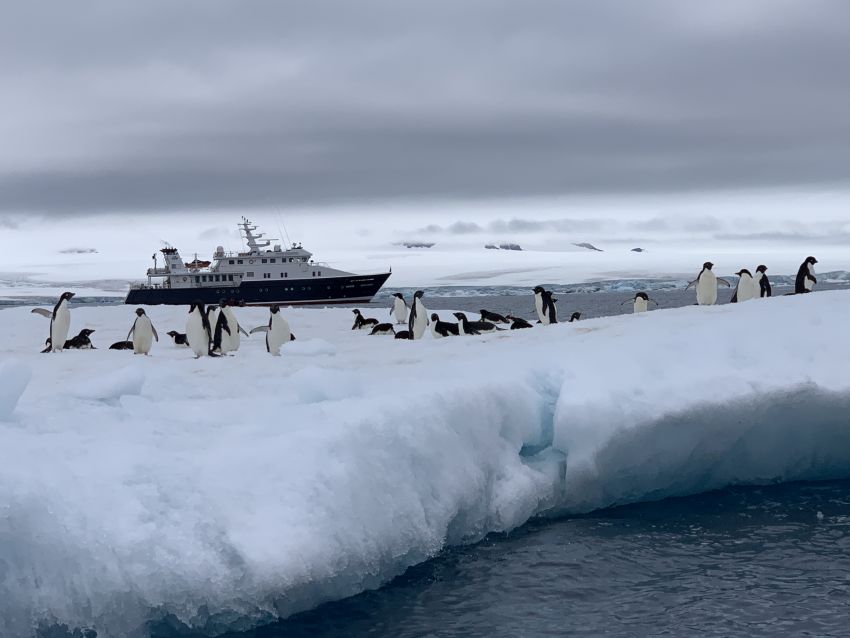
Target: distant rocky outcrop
638, 250
584, 244
504, 246
416, 244
491, 247
78, 251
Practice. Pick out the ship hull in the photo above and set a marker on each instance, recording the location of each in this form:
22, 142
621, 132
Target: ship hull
319, 290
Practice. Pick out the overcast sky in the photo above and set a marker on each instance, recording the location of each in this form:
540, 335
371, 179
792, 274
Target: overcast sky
162, 105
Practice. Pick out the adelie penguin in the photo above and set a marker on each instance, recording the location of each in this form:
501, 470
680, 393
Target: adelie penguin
60, 322
81, 341
518, 323
746, 288
706, 285
538, 302
763, 282
806, 279
399, 308
361, 322
143, 333
383, 329
122, 345
198, 330
640, 302
417, 320
178, 337
220, 331
574, 317
402, 334
467, 327
440, 329
493, 317
230, 341
550, 315
277, 331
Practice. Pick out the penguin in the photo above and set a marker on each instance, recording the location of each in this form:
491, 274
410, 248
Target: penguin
399, 308
493, 317
806, 279
550, 315
763, 282
746, 288
440, 329
640, 302
278, 332
467, 327
402, 334
574, 317
122, 345
81, 341
230, 341
361, 322
417, 319
60, 322
518, 323
383, 329
178, 337
213, 311
538, 302
706, 285
198, 330
220, 334
143, 333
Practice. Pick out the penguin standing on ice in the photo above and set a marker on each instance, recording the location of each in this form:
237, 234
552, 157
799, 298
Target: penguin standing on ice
746, 288
277, 332
538, 302
763, 282
399, 308
706, 285
417, 320
143, 333
550, 315
60, 322
440, 329
640, 302
221, 334
806, 279
198, 330
230, 341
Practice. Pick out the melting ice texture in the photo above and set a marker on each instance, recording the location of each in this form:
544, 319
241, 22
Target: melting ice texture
228, 492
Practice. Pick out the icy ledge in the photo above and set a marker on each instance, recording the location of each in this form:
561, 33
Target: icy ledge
228, 493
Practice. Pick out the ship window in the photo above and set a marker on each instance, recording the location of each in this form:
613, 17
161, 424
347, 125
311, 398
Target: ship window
320, 273
265, 261
229, 277
203, 277
271, 260
250, 274
218, 277
231, 262
267, 275
314, 273
238, 261
197, 280
290, 260
286, 274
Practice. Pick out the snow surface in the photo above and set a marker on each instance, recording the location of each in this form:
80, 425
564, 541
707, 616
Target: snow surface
232, 491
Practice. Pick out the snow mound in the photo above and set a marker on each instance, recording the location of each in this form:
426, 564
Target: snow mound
14, 378
231, 491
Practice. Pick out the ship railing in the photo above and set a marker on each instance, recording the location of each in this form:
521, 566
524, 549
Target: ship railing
158, 272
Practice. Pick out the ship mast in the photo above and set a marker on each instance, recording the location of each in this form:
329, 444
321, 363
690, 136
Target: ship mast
254, 240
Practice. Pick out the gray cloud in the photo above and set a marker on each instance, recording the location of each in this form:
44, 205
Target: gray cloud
212, 104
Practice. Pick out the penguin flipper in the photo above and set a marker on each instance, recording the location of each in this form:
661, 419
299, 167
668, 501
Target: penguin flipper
155, 336
724, 282
260, 329
242, 330
692, 283
43, 312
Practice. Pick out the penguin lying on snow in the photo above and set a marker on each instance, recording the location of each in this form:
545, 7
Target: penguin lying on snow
361, 322
806, 279
493, 317
517, 323
402, 334
574, 317
179, 338
467, 327
383, 329
706, 285
440, 329
81, 341
122, 345
60, 322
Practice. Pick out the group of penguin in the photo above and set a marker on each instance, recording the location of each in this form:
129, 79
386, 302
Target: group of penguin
212, 331
418, 320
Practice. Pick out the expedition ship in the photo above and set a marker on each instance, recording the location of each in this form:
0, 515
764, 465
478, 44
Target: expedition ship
259, 276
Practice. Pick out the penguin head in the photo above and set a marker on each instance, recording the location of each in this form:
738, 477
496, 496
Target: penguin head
222, 303
642, 295
744, 271
211, 308
418, 294
708, 265
172, 333
140, 312
356, 311
460, 316
809, 260
398, 295
435, 316
761, 268
197, 305
67, 296
85, 332
538, 290
274, 309
575, 316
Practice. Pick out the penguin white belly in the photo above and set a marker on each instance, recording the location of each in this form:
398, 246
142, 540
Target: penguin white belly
707, 289
400, 311
641, 305
230, 342
808, 283
421, 320
277, 335
59, 327
142, 335
757, 284
538, 306
434, 332
747, 288
196, 335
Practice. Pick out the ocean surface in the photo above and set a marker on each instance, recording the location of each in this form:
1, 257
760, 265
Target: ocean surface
744, 561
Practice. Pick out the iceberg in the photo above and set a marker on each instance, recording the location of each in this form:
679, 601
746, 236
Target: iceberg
229, 492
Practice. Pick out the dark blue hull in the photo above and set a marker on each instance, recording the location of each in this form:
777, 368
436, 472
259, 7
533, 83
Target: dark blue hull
318, 290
